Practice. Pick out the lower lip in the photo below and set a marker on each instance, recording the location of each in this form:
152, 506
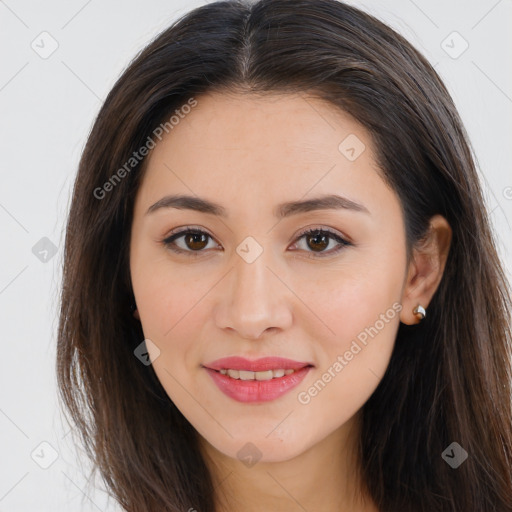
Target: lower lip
257, 390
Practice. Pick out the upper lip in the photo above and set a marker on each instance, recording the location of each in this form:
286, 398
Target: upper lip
257, 365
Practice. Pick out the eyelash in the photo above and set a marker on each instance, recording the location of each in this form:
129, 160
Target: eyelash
168, 241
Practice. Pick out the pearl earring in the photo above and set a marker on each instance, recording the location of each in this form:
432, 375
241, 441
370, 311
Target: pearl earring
420, 311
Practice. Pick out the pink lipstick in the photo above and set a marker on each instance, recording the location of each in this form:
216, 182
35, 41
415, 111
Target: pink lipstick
259, 380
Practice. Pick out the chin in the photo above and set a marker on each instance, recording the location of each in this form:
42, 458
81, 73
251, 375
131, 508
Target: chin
258, 448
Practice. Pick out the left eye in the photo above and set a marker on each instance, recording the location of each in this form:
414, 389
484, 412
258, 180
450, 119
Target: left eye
320, 239
196, 240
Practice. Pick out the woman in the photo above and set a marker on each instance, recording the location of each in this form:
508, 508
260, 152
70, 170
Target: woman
280, 286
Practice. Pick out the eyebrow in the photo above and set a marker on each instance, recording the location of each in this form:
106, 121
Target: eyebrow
287, 209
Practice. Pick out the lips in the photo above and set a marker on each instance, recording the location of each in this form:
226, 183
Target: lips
258, 365
260, 380
257, 391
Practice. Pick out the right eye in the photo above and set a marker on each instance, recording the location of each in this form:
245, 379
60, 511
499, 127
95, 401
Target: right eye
195, 240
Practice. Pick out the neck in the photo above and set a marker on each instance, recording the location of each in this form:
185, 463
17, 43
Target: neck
324, 477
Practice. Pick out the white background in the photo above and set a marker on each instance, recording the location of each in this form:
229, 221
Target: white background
47, 109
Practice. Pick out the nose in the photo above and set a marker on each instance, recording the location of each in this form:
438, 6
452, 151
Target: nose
254, 299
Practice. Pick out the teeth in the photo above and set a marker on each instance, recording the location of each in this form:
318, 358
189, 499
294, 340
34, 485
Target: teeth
247, 375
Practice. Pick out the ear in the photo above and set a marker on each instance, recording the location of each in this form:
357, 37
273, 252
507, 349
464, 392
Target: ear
136, 314
426, 268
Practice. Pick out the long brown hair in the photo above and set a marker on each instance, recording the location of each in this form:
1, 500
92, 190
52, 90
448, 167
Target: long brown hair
449, 378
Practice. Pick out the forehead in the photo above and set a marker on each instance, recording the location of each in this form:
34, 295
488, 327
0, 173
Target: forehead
252, 147
285, 124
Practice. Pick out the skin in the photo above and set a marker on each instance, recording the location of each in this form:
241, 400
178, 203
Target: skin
250, 153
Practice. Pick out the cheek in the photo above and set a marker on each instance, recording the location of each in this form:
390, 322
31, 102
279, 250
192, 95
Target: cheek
364, 308
360, 317
353, 296
165, 294
171, 303
351, 363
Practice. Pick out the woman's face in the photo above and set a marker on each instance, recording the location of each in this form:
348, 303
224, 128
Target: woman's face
252, 285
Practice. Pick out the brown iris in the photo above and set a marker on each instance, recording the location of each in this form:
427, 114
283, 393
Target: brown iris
196, 241
321, 241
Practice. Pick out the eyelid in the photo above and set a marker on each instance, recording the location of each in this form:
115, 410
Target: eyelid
331, 231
